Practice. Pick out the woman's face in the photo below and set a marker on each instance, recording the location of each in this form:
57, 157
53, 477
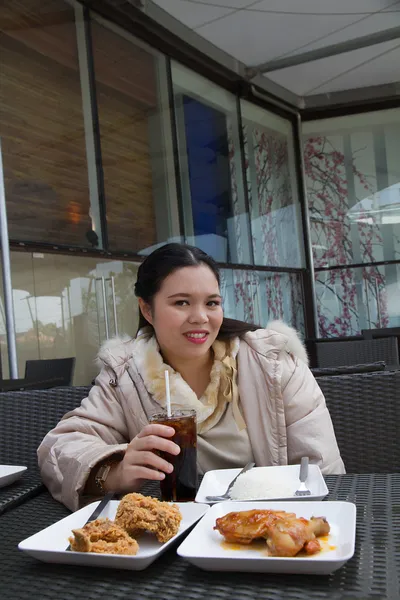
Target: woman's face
186, 313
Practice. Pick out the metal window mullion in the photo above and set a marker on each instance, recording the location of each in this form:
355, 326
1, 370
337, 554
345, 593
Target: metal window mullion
7, 283
244, 180
255, 209
165, 188
186, 196
175, 148
386, 231
309, 291
91, 124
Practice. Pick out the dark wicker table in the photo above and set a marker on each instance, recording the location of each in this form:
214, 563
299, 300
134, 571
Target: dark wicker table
23, 489
372, 573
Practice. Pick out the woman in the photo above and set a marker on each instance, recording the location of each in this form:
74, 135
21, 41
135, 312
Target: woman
254, 395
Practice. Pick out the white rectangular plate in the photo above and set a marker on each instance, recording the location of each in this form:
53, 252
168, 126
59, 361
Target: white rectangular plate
49, 545
10, 473
205, 547
215, 483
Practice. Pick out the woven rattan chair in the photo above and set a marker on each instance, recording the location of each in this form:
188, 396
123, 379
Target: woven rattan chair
348, 369
354, 352
60, 368
26, 417
369, 334
19, 385
365, 410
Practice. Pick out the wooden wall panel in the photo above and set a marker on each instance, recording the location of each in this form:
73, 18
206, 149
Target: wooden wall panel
41, 124
46, 27
44, 152
124, 67
124, 109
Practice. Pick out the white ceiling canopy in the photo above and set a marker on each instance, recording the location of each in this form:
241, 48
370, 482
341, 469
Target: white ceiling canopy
306, 48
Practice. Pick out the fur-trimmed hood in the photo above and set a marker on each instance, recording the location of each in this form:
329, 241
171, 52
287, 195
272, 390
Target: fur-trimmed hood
277, 336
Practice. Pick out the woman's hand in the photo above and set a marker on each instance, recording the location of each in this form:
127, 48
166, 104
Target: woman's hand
141, 462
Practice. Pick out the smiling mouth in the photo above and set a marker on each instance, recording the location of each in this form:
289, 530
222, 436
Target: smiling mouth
197, 336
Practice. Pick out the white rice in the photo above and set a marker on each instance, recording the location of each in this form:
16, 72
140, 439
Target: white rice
262, 482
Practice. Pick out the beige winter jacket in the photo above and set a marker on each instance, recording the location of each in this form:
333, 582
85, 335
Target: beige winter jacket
283, 407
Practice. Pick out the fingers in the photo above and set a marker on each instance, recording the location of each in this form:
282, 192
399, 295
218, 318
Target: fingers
150, 459
156, 429
153, 442
146, 473
130, 478
142, 459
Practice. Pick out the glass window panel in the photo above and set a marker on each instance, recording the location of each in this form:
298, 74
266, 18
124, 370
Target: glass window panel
59, 308
352, 299
214, 208
261, 296
42, 124
25, 314
136, 142
352, 173
272, 189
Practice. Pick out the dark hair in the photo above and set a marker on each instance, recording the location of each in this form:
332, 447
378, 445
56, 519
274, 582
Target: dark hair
164, 261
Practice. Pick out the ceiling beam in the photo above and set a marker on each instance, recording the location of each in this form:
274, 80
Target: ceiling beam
384, 96
334, 49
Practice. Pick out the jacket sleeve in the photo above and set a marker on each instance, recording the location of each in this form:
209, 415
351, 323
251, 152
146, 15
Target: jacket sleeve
90, 433
308, 423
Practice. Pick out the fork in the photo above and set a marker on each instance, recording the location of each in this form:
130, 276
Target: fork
303, 489
226, 496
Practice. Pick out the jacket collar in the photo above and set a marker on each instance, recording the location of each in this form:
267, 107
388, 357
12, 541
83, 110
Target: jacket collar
277, 336
210, 408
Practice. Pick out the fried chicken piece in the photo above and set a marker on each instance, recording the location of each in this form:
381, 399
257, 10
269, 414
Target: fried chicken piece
104, 537
290, 535
137, 513
285, 534
243, 527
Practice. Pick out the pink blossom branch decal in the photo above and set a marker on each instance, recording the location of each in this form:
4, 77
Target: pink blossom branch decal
331, 178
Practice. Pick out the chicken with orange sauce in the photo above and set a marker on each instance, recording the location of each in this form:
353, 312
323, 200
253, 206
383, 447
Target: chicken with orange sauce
285, 534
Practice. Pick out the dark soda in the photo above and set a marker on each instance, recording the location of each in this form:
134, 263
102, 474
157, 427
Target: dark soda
181, 484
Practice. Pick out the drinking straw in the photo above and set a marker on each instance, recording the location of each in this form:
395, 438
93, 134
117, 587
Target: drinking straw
168, 393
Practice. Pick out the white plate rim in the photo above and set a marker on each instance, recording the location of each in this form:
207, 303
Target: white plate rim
136, 562
261, 561
14, 473
14, 469
201, 494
